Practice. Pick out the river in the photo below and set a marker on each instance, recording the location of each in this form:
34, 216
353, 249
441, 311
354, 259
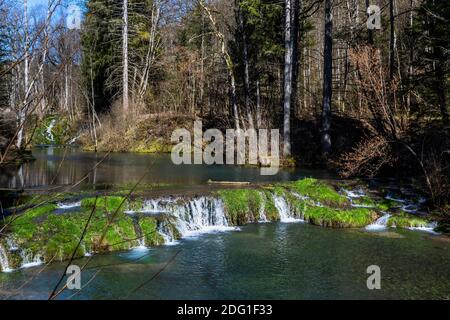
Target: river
71, 166
258, 261
265, 261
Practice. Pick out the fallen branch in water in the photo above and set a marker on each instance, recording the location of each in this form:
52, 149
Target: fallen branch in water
239, 183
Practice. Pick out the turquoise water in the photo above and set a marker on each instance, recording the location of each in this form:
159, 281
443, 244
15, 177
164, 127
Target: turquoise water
261, 261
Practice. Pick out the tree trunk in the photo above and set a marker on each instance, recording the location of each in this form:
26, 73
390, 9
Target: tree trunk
258, 106
369, 31
242, 27
288, 76
22, 112
296, 7
327, 78
391, 39
228, 61
125, 55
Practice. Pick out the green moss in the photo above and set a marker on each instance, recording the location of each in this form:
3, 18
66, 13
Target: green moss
56, 236
26, 224
319, 191
60, 131
241, 205
405, 220
152, 146
108, 203
135, 204
365, 201
335, 218
387, 205
150, 232
270, 210
120, 233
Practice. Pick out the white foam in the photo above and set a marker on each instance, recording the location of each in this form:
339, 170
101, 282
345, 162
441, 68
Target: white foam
389, 197
284, 211
66, 206
262, 207
410, 208
4, 263
429, 228
379, 224
354, 193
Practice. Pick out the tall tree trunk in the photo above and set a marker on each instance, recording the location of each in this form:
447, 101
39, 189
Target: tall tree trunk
125, 55
327, 78
296, 8
369, 31
22, 108
288, 74
94, 130
202, 66
242, 27
228, 61
258, 106
391, 39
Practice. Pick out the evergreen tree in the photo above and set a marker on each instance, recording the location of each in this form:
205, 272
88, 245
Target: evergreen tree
432, 63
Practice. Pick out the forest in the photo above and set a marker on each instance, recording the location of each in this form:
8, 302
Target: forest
361, 100
92, 92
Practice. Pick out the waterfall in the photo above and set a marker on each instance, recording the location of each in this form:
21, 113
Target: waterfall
428, 228
201, 215
189, 217
380, 223
29, 260
262, 212
4, 263
283, 210
392, 198
67, 206
354, 193
50, 136
156, 206
410, 208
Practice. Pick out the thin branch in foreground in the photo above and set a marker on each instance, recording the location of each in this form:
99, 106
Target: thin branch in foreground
53, 294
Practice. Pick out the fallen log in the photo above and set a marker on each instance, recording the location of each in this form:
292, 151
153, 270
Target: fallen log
239, 183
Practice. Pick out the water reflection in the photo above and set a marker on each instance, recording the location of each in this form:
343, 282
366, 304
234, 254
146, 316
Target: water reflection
68, 167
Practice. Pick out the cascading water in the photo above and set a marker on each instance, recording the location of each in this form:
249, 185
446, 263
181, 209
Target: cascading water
200, 215
283, 210
380, 223
262, 212
4, 263
50, 127
428, 228
351, 195
191, 217
67, 206
29, 260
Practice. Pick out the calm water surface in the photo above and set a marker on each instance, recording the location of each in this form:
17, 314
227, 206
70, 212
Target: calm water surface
121, 168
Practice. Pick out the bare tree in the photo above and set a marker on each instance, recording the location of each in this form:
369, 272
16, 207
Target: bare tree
227, 57
327, 78
290, 57
125, 55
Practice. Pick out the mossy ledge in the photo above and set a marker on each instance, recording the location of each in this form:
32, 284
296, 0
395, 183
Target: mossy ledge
405, 220
46, 233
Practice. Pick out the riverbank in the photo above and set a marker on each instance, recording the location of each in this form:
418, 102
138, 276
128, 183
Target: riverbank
51, 231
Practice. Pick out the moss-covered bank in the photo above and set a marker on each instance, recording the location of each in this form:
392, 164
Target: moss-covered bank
116, 223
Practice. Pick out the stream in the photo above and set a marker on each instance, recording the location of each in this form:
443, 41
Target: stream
289, 259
